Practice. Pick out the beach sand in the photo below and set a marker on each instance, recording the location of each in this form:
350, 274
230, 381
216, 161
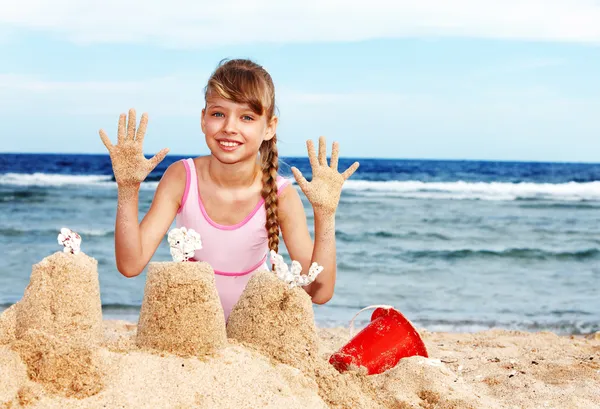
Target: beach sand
491, 369
56, 351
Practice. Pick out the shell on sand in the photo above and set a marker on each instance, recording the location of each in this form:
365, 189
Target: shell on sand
62, 299
276, 320
181, 311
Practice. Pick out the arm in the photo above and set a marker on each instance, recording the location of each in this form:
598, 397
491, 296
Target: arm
134, 245
299, 244
323, 192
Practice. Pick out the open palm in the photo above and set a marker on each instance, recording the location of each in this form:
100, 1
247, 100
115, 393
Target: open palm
129, 164
325, 188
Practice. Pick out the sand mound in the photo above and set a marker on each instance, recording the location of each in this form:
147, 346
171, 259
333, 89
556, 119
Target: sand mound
418, 382
348, 390
68, 368
8, 321
62, 299
13, 374
277, 321
181, 312
58, 326
494, 369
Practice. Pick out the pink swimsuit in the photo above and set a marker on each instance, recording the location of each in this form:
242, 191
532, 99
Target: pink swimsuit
233, 251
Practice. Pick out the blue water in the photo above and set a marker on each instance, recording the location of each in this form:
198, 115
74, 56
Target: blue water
454, 245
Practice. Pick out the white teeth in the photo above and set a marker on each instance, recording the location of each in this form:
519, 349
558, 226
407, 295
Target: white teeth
229, 144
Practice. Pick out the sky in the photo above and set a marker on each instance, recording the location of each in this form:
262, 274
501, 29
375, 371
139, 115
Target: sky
422, 79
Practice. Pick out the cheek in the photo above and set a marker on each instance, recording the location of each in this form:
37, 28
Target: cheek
210, 126
257, 130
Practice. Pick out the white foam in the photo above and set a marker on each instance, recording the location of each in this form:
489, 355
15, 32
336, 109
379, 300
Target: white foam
413, 189
60, 180
571, 191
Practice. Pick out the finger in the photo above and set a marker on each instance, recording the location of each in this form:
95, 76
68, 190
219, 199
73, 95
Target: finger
312, 156
302, 182
335, 151
131, 125
106, 140
141, 132
348, 172
121, 131
156, 159
322, 151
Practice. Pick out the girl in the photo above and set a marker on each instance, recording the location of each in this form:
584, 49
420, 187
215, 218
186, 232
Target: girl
234, 197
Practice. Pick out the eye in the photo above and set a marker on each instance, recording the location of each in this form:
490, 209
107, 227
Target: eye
217, 114
248, 118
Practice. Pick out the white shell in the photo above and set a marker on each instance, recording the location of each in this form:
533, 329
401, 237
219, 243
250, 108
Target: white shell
70, 240
183, 243
293, 277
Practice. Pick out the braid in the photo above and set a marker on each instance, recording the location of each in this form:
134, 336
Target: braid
270, 166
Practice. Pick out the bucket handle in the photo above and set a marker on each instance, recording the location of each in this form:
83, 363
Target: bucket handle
364, 309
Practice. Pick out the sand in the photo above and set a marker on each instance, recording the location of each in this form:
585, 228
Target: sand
491, 369
57, 326
276, 320
56, 352
181, 312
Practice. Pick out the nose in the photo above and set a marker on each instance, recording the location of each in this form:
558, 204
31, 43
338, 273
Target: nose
230, 125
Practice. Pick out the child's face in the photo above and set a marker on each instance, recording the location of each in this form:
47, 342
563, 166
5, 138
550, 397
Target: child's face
233, 131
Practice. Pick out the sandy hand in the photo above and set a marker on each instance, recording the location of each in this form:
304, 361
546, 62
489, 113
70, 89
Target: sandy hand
129, 164
325, 188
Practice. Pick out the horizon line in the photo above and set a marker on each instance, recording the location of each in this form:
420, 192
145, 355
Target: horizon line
341, 158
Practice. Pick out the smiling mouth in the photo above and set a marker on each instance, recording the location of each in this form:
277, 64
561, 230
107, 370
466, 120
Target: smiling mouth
229, 144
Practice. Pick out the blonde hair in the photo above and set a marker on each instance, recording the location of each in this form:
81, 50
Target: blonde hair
245, 82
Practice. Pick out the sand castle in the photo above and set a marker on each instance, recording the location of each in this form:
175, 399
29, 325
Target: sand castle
54, 352
181, 312
275, 315
56, 327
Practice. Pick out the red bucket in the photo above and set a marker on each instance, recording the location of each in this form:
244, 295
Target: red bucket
388, 338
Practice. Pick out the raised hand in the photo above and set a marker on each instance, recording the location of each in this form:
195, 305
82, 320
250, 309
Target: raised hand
129, 164
325, 188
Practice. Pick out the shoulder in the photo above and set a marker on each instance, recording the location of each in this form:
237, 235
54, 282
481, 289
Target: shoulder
173, 181
290, 205
175, 172
283, 183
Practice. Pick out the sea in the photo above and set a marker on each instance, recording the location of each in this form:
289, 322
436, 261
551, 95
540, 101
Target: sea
459, 246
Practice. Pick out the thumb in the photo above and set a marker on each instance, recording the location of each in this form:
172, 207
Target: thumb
105, 140
156, 159
302, 182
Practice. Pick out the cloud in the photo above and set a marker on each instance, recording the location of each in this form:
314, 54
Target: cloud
198, 23
488, 121
169, 95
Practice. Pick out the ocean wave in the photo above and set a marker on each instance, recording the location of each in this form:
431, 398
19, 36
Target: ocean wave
23, 196
511, 253
460, 190
383, 234
558, 326
60, 180
413, 189
16, 232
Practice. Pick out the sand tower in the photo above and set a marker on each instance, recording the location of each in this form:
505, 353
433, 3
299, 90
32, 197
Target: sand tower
58, 322
181, 312
275, 315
